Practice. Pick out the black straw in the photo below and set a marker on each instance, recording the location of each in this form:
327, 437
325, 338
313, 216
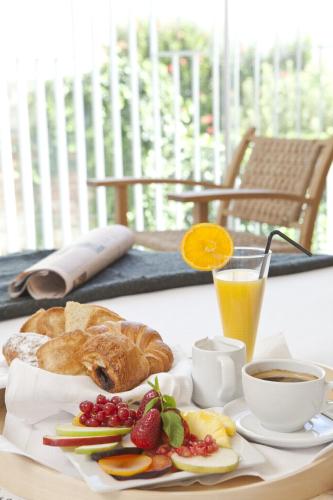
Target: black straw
268, 246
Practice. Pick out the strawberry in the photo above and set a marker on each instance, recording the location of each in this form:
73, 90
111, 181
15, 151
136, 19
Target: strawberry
145, 400
146, 433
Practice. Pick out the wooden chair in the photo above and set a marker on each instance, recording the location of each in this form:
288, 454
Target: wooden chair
281, 185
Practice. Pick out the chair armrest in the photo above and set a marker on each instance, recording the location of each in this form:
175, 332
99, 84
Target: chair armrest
120, 186
202, 198
234, 194
130, 181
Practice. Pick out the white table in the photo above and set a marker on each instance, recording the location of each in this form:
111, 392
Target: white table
298, 305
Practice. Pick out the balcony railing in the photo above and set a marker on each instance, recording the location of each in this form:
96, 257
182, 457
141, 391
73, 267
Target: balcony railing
158, 99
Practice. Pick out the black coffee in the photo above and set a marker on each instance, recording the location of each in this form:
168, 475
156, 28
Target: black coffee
277, 375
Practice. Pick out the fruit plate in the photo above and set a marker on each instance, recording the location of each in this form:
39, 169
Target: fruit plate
100, 482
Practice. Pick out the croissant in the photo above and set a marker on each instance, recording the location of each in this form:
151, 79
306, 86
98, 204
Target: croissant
114, 362
149, 341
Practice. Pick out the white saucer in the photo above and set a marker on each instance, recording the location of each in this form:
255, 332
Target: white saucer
319, 430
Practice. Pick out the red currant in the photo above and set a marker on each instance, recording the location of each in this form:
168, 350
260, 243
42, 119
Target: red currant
96, 408
114, 421
116, 400
110, 409
100, 416
123, 413
86, 407
83, 418
133, 414
122, 405
101, 400
128, 422
92, 422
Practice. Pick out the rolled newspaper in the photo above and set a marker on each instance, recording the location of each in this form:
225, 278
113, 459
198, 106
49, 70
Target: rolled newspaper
67, 268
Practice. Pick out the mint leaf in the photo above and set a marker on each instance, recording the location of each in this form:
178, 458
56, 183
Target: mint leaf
151, 385
150, 404
155, 385
169, 401
173, 428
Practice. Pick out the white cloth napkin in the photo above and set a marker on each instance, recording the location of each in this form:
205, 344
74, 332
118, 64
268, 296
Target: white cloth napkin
35, 405
33, 394
38, 400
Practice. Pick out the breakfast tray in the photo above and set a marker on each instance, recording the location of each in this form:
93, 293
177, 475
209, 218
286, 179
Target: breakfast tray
32, 481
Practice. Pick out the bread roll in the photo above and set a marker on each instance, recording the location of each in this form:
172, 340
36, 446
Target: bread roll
23, 346
82, 316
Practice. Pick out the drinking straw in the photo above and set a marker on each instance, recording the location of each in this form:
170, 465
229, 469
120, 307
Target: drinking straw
268, 246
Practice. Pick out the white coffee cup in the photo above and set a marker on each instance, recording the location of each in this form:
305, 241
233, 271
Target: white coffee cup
285, 406
216, 372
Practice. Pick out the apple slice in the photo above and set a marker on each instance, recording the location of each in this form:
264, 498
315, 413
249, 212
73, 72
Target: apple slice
125, 465
79, 430
95, 448
224, 460
75, 441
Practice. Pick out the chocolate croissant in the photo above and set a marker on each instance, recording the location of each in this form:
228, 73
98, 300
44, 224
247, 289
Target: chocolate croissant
149, 341
114, 362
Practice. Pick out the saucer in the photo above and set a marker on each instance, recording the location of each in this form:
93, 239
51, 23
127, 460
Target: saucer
319, 430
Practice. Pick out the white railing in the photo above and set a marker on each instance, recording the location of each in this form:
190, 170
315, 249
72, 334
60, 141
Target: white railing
46, 203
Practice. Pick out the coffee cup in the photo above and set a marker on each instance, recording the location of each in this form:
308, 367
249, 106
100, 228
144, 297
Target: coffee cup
284, 394
216, 372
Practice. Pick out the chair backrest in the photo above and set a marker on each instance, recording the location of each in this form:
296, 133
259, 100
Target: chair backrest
295, 166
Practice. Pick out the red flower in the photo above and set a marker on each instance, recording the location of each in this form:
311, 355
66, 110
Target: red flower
207, 119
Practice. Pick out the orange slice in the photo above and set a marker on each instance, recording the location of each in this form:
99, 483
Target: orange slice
206, 246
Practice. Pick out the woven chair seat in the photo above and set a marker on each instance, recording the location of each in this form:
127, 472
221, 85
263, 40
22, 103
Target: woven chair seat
169, 241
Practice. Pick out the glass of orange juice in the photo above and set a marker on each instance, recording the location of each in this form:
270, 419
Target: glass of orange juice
240, 287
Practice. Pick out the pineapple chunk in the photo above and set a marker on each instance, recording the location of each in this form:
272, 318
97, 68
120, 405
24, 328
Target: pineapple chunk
228, 423
203, 422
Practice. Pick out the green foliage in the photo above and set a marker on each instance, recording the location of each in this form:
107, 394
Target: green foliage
177, 38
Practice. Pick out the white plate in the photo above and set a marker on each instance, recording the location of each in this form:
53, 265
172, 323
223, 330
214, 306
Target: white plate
100, 482
319, 430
